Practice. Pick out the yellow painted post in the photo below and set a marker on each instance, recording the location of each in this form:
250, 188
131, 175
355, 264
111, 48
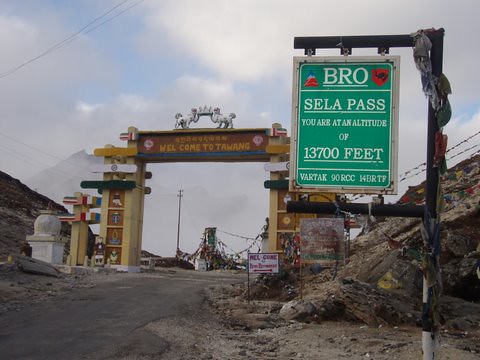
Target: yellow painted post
134, 203
82, 241
133, 220
74, 236
79, 235
140, 204
104, 212
275, 143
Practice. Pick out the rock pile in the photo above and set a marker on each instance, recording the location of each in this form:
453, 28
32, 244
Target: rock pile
382, 281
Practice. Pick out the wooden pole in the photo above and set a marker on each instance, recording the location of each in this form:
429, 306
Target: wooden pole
300, 267
430, 341
248, 277
178, 223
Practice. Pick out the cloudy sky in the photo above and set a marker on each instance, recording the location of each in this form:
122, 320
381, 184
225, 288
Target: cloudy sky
72, 79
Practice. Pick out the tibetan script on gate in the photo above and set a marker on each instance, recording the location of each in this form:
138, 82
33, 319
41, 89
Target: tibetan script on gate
204, 145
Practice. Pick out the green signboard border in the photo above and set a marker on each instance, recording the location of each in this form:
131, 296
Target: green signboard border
393, 165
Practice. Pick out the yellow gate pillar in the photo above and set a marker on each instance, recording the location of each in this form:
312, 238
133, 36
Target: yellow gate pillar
122, 206
276, 142
79, 220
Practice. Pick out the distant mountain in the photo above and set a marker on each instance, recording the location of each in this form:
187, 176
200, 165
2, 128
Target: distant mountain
64, 178
19, 207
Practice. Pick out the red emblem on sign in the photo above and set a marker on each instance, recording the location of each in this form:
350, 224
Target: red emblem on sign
148, 144
380, 76
311, 80
257, 140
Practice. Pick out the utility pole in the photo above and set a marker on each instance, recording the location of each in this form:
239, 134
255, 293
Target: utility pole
180, 195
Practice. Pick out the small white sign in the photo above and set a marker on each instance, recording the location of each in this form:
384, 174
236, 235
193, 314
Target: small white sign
263, 263
109, 168
279, 166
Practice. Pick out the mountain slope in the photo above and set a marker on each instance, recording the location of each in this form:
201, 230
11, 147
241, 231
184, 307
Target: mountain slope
393, 245
19, 207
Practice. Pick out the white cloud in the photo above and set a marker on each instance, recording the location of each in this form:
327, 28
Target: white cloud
14, 30
37, 100
20, 41
210, 88
84, 108
247, 40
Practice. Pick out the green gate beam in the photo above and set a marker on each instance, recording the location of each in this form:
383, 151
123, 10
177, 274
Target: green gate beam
109, 184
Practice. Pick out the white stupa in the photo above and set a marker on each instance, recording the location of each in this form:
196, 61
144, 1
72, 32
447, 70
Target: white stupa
46, 242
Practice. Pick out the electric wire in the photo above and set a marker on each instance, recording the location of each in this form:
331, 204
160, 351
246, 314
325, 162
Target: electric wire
450, 149
38, 164
236, 235
423, 168
115, 16
46, 167
33, 147
73, 37
255, 241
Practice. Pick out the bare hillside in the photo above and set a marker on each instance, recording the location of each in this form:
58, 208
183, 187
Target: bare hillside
19, 207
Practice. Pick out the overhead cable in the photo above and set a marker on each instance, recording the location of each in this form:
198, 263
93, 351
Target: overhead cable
84, 30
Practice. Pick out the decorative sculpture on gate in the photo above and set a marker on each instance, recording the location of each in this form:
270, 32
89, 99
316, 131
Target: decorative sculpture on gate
224, 122
184, 122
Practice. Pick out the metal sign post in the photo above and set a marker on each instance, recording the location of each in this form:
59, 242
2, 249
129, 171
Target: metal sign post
430, 217
261, 263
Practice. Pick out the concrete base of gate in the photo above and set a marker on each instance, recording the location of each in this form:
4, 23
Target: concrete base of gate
126, 268
74, 270
83, 270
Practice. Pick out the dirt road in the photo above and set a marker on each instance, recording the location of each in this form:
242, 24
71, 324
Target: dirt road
178, 314
118, 316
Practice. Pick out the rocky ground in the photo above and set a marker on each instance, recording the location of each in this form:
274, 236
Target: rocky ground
231, 327
271, 332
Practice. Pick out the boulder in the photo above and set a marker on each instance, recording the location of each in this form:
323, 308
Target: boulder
460, 279
299, 310
373, 306
458, 245
459, 314
331, 309
34, 266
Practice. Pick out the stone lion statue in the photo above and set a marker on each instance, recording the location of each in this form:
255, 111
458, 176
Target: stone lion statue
224, 122
184, 122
